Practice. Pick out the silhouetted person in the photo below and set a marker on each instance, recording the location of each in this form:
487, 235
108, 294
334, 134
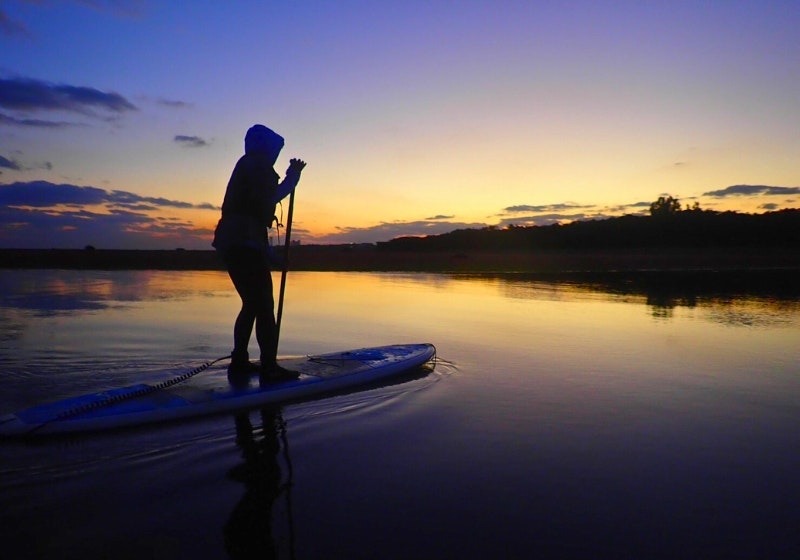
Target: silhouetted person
248, 211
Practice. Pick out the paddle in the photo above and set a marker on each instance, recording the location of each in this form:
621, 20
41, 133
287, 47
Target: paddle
285, 270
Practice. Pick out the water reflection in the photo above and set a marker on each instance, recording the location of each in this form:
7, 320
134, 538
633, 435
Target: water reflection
48, 292
56, 292
49, 318
746, 298
249, 529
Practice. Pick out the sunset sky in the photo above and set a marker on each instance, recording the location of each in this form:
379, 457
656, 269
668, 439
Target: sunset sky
120, 121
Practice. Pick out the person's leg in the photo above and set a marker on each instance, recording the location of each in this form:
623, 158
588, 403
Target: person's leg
251, 277
246, 273
266, 330
242, 329
267, 336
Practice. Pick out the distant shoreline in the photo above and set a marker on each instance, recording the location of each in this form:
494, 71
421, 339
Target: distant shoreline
359, 258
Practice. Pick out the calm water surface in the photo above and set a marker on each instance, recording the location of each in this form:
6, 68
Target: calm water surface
564, 420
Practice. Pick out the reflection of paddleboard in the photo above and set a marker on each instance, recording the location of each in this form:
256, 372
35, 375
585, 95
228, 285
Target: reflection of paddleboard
211, 392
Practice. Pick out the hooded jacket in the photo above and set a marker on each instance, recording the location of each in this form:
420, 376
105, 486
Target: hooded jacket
252, 193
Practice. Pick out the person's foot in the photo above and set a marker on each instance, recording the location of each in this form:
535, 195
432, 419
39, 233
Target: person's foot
239, 368
276, 373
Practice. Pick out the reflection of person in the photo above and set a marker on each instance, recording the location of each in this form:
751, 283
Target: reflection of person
248, 532
248, 210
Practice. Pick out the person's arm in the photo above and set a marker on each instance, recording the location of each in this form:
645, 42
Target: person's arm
290, 180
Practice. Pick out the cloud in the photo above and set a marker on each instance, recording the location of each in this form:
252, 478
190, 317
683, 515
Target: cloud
630, 208
525, 208
6, 163
35, 123
518, 215
386, 231
43, 194
24, 94
39, 214
190, 141
173, 104
565, 212
76, 228
548, 219
753, 190
440, 217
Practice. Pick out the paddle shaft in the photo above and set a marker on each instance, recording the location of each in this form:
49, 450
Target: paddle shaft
285, 270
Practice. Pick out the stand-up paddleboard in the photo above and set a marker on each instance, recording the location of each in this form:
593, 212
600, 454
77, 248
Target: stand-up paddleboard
212, 392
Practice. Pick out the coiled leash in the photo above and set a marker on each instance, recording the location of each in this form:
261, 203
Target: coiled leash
137, 392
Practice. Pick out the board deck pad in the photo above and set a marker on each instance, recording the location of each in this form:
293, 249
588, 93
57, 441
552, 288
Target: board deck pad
211, 392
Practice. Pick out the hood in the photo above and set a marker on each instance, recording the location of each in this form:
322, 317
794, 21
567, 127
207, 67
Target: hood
261, 140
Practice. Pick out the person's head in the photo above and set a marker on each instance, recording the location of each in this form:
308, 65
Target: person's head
261, 140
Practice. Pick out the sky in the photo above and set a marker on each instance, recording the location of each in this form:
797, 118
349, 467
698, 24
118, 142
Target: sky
121, 120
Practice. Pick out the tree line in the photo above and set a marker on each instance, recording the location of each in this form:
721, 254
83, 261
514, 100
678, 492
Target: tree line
667, 226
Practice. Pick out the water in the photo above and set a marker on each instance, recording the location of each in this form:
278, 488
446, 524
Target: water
566, 420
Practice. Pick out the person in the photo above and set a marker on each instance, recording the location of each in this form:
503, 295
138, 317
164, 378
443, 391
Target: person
240, 237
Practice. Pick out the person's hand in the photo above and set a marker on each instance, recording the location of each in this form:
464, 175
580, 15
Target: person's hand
296, 165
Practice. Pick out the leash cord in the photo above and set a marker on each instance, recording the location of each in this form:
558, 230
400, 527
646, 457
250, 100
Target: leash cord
146, 390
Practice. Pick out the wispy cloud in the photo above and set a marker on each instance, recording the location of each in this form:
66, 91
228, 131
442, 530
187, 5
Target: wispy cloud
559, 213
190, 141
25, 94
173, 103
441, 217
753, 190
386, 231
526, 208
555, 218
34, 123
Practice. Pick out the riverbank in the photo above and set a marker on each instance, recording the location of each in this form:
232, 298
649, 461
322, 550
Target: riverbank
371, 259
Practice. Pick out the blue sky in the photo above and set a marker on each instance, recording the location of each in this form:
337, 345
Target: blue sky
120, 121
